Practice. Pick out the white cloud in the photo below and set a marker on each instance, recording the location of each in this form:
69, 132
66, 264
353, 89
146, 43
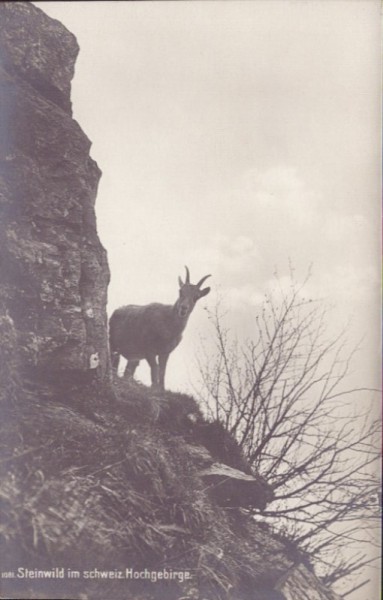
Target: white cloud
242, 298
231, 256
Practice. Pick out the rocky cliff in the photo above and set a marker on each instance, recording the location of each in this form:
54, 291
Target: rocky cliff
54, 270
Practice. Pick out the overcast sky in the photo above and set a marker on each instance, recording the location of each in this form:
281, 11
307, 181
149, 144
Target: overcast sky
232, 136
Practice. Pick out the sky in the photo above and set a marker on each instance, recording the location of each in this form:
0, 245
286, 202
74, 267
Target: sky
234, 137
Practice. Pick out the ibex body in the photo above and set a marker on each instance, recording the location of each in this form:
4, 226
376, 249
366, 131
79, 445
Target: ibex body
151, 332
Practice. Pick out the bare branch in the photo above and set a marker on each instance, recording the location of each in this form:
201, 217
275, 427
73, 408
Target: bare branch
283, 396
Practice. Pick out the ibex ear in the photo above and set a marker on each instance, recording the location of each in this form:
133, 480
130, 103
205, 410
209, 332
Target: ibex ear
180, 282
204, 292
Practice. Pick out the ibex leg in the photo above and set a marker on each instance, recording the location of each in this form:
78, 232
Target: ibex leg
130, 368
153, 369
162, 361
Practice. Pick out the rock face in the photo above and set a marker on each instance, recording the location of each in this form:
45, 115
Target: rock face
54, 271
232, 488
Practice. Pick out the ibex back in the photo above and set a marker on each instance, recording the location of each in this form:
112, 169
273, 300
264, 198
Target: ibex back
152, 331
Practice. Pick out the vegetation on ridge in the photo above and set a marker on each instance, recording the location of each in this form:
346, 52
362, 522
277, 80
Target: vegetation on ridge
101, 476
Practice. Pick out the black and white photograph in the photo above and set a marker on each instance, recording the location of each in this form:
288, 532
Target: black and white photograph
190, 355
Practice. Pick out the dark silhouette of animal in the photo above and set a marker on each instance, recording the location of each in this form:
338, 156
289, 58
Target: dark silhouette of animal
154, 330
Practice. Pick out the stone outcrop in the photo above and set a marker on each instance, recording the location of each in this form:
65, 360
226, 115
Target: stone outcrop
232, 488
54, 271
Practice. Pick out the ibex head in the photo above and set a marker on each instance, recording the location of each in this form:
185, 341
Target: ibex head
189, 294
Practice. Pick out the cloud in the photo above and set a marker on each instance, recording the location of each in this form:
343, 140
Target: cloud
232, 255
273, 217
347, 227
244, 297
283, 207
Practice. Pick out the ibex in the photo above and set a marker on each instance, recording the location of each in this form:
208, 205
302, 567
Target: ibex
152, 331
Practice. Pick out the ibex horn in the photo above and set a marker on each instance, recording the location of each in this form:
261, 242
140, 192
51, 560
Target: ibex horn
187, 280
202, 280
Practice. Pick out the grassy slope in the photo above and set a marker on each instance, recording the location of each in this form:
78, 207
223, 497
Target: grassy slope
106, 476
